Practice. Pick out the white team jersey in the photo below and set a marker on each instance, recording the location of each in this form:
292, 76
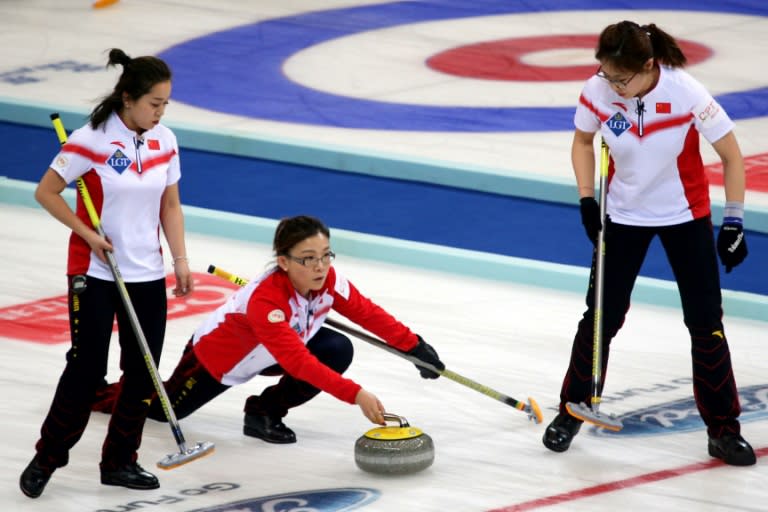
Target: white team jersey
126, 177
657, 176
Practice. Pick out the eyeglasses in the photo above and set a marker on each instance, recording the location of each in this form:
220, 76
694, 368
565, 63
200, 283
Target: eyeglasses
619, 84
312, 261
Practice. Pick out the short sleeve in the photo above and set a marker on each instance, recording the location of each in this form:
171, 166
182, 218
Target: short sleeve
586, 118
76, 157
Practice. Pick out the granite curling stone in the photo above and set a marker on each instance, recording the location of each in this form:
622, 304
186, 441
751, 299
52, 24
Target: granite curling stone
394, 450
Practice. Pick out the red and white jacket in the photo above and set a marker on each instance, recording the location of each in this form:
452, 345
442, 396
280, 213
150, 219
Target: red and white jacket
268, 322
656, 175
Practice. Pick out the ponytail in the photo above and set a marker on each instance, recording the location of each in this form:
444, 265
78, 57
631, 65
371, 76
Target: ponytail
665, 47
138, 77
628, 46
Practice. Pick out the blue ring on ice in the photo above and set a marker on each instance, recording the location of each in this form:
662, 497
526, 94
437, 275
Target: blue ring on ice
239, 71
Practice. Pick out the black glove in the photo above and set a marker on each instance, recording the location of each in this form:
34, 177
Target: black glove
423, 351
731, 245
590, 217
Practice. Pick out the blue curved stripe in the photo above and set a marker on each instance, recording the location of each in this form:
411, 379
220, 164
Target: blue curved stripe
239, 71
418, 212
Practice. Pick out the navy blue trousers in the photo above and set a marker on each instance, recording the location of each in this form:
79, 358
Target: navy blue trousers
92, 314
690, 250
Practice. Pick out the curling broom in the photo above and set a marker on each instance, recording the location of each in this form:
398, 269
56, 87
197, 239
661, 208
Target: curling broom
591, 413
532, 409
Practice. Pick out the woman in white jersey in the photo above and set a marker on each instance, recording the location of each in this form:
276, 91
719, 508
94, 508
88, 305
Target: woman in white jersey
274, 326
130, 164
651, 114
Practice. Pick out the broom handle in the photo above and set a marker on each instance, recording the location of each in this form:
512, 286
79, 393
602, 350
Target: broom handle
597, 345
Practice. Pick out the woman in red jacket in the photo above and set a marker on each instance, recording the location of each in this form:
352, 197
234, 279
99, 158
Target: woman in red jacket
274, 326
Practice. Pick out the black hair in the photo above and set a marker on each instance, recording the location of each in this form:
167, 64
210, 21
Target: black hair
137, 79
627, 46
293, 230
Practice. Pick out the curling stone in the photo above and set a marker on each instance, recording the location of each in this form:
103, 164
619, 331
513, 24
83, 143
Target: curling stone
394, 450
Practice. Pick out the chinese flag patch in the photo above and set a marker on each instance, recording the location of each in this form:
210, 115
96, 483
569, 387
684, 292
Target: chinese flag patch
155, 144
663, 108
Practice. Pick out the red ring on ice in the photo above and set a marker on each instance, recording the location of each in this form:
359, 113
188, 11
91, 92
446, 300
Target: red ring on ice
503, 59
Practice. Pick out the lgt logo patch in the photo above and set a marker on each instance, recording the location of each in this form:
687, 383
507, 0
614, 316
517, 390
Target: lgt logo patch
118, 161
618, 124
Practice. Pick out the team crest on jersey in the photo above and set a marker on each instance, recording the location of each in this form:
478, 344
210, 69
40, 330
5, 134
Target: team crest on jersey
275, 316
118, 161
618, 123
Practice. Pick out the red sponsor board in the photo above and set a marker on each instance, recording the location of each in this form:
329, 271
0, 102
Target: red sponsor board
755, 166
47, 320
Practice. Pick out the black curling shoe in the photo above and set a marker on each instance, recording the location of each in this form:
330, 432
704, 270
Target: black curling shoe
732, 449
268, 428
560, 432
34, 478
131, 476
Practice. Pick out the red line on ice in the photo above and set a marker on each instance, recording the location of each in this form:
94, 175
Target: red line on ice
617, 485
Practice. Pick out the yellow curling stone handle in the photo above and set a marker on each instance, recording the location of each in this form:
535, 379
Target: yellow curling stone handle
403, 431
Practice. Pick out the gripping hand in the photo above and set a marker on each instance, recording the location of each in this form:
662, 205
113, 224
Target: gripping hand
590, 217
424, 352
